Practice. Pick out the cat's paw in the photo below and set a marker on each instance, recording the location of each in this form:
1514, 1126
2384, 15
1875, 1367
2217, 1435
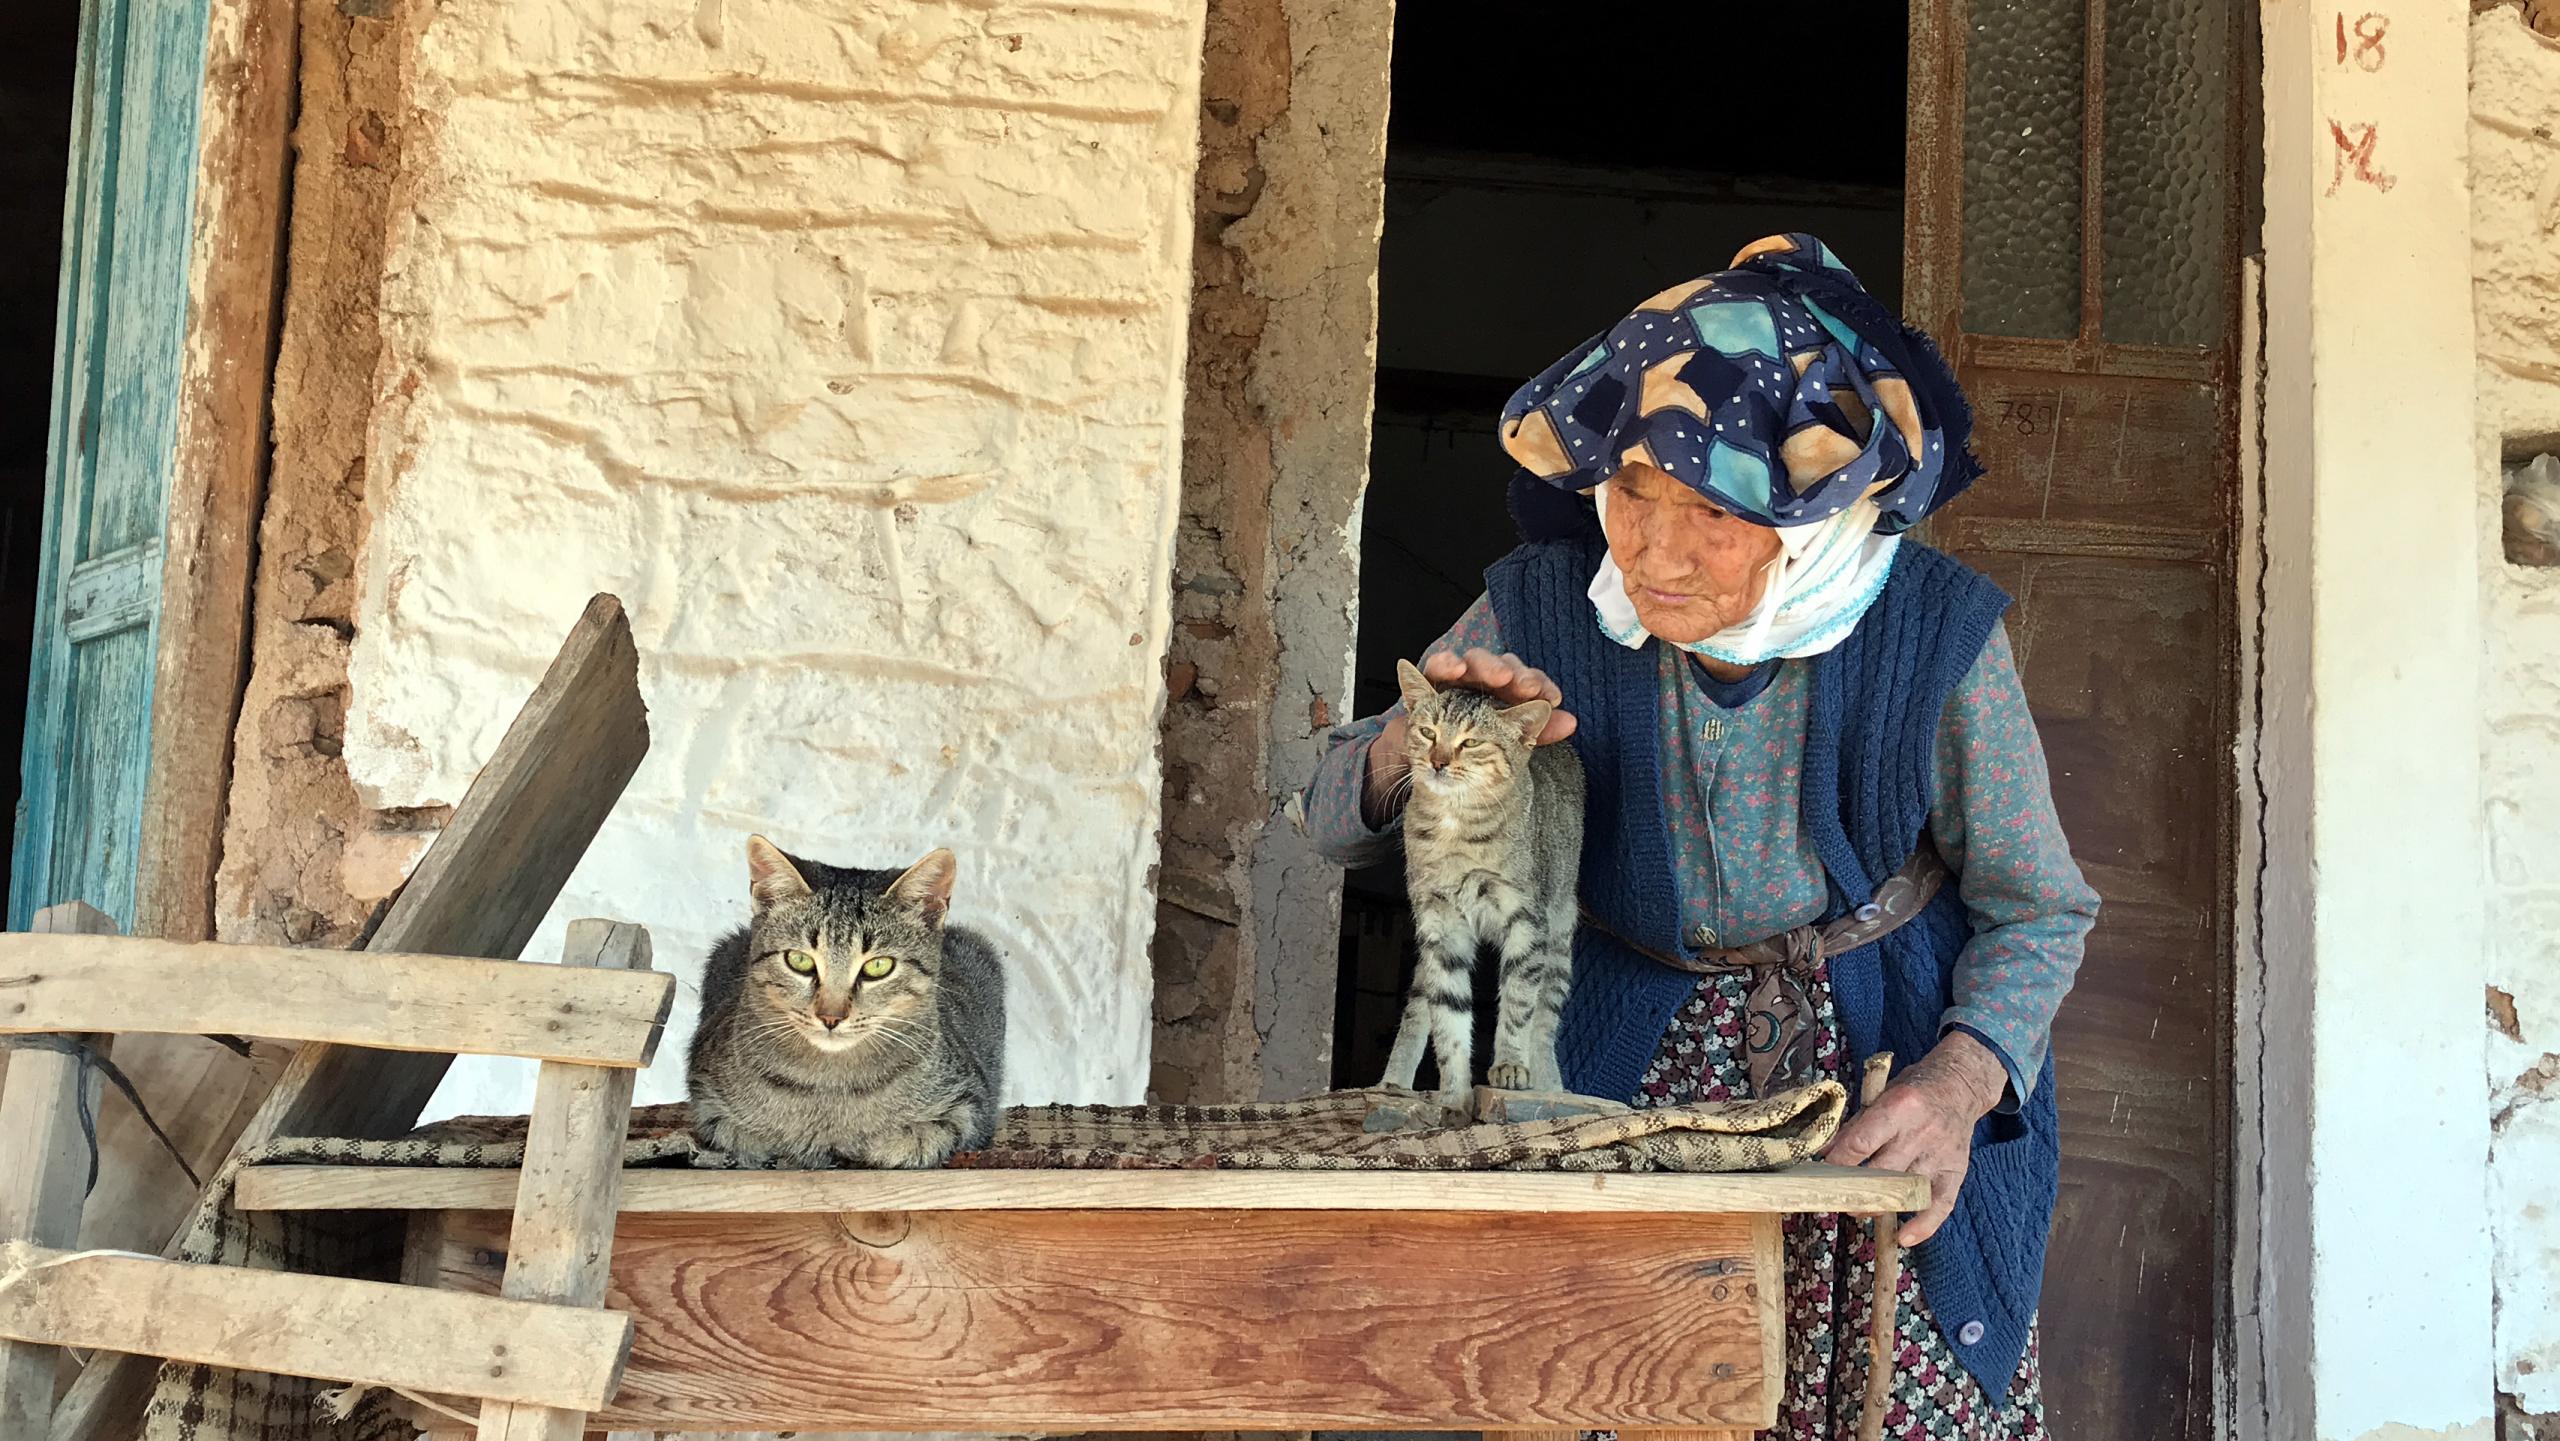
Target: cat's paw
715, 1142
1508, 1076
743, 1158
921, 1149
1461, 1100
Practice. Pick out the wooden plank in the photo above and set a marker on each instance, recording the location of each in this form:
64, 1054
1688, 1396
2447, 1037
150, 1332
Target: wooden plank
217, 480
563, 1231
1769, 1258
325, 1327
480, 890
1183, 1320
444, 1004
486, 883
1814, 1187
201, 1093
44, 1174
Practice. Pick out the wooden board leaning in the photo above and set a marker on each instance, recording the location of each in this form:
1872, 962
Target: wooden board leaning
480, 890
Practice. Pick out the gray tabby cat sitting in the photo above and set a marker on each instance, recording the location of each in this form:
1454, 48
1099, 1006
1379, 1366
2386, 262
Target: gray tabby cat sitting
846, 1023
1492, 855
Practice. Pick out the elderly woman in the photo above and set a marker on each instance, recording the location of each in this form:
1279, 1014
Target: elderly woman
1819, 821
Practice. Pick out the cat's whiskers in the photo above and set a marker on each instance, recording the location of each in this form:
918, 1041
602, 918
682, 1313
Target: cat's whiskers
906, 1035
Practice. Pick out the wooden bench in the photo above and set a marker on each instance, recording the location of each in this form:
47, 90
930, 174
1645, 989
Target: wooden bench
1063, 1301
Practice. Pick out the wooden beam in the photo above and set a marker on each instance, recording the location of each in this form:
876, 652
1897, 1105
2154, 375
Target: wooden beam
1053, 1322
218, 467
1814, 1187
326, 1327
563, 1234
44, 1178
480, 890
445, 1004
492, 873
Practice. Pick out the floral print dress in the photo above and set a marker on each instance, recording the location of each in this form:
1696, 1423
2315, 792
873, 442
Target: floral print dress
1733, 756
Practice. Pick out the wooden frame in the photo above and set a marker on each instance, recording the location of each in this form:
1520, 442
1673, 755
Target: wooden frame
208, 296
1171, 1300
480, 891
541, 1355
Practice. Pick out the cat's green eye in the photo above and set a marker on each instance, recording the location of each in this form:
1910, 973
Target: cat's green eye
801, 962
878, 966
1427, 733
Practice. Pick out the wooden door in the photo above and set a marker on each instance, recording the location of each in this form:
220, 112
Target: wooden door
122, 317
2073, 179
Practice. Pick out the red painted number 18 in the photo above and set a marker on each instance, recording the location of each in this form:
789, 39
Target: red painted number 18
2363, 44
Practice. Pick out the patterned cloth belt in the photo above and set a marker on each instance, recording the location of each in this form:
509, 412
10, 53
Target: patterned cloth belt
1779, 1044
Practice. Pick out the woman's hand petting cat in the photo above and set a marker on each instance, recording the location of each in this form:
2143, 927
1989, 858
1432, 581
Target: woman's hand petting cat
1924, 1122
1506, 677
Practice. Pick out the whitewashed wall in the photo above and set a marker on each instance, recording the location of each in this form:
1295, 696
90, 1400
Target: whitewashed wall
2515, 178
846, 348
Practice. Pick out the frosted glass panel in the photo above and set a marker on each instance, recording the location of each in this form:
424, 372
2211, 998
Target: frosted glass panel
2166, 222
2025, 66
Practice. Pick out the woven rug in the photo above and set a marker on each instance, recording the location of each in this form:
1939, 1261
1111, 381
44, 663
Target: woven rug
1323, 1133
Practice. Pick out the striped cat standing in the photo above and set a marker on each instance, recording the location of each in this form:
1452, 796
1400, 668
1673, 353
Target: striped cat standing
1492, 851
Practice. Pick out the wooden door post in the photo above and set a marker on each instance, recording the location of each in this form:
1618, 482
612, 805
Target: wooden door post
562, 1242
44, 1179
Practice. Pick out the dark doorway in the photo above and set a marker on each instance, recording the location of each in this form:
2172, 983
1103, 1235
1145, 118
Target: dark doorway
1525, 211
38, 46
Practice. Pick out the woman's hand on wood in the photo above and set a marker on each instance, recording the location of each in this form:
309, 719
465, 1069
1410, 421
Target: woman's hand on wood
1506, 677
1923, 1123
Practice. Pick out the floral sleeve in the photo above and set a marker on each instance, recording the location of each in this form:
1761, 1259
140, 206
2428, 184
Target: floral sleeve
1995, 824
1334, 820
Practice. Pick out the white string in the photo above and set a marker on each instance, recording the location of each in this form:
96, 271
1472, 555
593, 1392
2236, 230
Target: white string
341, 1403
17, 1260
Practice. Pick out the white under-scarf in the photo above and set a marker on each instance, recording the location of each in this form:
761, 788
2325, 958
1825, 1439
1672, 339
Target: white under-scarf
1823, 579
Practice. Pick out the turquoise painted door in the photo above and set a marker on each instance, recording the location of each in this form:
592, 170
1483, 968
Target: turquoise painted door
122, 320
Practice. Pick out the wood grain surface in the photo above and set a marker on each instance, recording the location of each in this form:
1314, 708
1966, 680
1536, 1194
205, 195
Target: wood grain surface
562, 1237
1813, 1187
326, 1327
445, 1004
1071, 1321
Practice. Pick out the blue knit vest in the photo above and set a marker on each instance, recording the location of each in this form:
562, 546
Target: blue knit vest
1870, 771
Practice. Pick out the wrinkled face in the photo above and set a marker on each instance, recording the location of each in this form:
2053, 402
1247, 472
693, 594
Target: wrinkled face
1692, 568
1464, 743
847, 967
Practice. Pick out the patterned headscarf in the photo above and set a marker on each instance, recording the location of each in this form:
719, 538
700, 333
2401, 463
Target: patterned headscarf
1759, 386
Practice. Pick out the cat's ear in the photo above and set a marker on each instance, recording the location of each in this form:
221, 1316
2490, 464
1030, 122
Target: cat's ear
1530, 717
771, 877
927, 884
1411, 685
